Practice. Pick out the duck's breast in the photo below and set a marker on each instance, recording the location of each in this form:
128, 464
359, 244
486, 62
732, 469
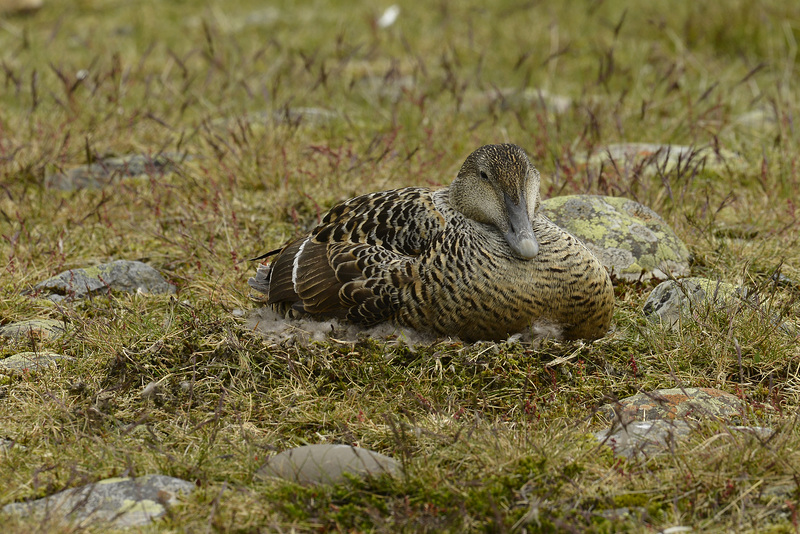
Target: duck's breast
473, 285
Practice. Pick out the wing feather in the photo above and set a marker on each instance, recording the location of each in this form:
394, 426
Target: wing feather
357, 260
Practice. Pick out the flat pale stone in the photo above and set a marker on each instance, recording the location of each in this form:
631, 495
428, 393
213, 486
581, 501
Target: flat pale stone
630, 240
653, 158
120, 502
673, 300
110, 171
120, 275
40, 328
326, 464
528, 97
30, 361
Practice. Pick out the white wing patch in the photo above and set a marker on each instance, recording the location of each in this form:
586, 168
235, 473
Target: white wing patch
296, 263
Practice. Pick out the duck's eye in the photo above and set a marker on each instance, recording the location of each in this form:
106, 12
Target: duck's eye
484, 176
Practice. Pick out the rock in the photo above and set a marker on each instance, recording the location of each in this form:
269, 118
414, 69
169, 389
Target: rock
110, 171
20, 6
675, 403
779, 491
672, 300
293, 116
781, 280
39, 328
660, 435
323, 463
650, 159
120, 275
30, 361
652, 422
8, 444
304, 115
115, 502
389, 88
235, 22
510, 98
643, 437
629, 239
762, 121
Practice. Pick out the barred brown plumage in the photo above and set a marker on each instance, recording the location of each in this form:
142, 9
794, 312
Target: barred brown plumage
474, 260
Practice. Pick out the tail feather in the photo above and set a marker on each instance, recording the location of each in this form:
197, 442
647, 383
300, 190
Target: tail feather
260, 282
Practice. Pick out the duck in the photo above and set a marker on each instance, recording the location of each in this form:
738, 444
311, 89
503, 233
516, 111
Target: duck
474, 260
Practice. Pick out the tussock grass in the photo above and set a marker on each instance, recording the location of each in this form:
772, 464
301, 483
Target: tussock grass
285, 110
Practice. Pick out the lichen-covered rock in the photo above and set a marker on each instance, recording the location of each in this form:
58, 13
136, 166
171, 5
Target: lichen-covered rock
110, 171
650, 159
672, 300
654, 421
120, 275
30, 361
326, 464
675, 403
117, 502
629, 239
643, 437
38, 328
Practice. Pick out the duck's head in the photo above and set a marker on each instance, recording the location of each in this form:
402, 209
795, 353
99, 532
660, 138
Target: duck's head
499, 185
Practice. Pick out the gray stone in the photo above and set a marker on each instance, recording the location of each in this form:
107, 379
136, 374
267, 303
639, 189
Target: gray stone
30, 361
110, 171
653, 422
780, 491
674, 300
120, 275
38, 328
629, 239
304, 115
115, 502
327, 464
643, 437
762, 121
510, 98
389, 88
675, 403
298, 116
651, 159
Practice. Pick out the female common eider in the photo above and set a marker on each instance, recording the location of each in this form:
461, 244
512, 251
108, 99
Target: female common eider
475, 260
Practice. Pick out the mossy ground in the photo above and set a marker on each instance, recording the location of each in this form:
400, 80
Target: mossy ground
494, 437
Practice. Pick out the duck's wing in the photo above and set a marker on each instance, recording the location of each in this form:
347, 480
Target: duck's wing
356, 261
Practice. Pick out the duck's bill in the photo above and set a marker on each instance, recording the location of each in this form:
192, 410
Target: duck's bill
520, 235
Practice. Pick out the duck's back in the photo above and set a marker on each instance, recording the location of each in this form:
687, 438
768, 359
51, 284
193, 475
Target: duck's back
354, 264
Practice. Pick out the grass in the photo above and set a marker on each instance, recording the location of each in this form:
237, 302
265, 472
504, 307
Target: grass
494, 437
